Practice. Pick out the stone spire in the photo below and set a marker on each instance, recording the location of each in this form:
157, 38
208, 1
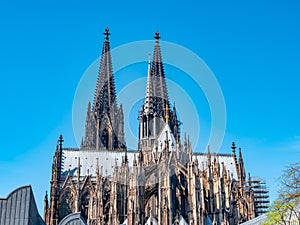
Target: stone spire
90, 131
56, 177
160, 92
46, 208
105, 121
156, 91
156, 112
208, 156
242, 174
105, 94
233, 147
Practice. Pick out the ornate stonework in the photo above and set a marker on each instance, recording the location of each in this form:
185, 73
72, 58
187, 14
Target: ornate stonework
163, 182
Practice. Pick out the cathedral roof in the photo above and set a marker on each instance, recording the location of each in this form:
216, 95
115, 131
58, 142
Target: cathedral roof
256, 221
90, 159
227, 159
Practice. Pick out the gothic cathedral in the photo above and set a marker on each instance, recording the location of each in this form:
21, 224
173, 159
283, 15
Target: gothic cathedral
164, 182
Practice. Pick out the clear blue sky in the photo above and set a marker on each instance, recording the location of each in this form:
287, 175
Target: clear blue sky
45, 46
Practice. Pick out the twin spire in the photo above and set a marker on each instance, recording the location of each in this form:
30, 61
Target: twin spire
156, 92
105, 120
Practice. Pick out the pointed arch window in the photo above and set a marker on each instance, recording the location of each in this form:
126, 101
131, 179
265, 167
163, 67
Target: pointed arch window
66, 204
85, 201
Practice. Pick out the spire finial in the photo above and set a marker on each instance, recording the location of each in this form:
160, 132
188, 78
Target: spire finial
46, 203
61, 140
97, 166
233, 147
157, 37
78, 168
106, 33
240, 154
166, 150
134, 161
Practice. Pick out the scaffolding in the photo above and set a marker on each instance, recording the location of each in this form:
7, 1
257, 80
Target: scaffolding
261, 195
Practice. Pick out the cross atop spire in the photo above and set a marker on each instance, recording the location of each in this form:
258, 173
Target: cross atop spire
233, 147
61, 140
106, 33
157, 37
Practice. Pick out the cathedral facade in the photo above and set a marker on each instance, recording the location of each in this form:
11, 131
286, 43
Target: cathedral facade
163, 182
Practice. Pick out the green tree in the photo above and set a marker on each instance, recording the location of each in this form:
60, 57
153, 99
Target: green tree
286, 210
283, 213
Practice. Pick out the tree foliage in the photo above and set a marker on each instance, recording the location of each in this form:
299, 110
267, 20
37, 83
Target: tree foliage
283, 213
290, 183
286, 210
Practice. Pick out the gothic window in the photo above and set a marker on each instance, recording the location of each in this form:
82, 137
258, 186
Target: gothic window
66, 204
115, 145
84, 207
104, 137
106, 211
198, 196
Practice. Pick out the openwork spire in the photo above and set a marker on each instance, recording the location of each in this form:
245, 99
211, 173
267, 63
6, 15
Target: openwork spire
105, 121
156, 98
105, 94
158, 76
156, 112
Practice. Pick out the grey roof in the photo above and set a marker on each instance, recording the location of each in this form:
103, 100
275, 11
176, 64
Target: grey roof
19, 208
89, 158
73, 219
107, 159
256, 221
228, 161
